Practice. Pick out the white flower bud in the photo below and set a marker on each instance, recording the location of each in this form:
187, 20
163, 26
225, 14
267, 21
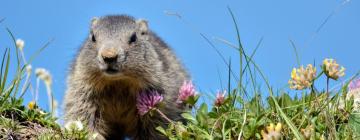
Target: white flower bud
74, 125
20, 44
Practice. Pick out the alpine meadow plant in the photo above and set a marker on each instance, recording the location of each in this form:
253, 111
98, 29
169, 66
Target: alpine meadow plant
354, 84
19, 120
272, 132
187, 94
302, 78
242, 111
314, 115
147, 101
332, 69
220, 99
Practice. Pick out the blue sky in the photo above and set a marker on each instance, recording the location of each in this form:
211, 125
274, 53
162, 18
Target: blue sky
67, 22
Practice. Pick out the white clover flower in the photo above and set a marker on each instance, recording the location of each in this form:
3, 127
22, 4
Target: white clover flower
332, 69
44, 75
302, 78
272, 132
20, 44
74, 125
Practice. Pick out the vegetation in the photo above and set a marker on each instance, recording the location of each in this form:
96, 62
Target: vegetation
18, 121
243, 113
239, 113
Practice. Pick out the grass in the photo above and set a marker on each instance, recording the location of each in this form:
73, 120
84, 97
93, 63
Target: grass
18, 121
241, 113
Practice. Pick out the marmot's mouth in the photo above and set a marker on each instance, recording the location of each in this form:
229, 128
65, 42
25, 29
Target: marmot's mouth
111, 70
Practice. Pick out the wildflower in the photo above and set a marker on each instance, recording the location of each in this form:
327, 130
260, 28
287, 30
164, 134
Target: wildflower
302, 78
74, 125
31, 105
354, 91
20, 44
272, 132
307, 131
186, 91
354, 84
44, 75
220, 98
332, 70
147, 101
28, 69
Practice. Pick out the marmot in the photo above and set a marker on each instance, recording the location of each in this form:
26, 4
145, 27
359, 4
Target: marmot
120, 58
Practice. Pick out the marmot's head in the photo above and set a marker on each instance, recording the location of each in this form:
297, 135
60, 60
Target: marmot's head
119, 46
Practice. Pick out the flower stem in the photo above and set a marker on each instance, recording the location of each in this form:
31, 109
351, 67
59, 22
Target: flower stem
50, 98
25, 84
37, 89
164, 116
23, 57
327, 87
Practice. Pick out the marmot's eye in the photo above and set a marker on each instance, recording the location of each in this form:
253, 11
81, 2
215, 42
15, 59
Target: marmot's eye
93, 39
133, 38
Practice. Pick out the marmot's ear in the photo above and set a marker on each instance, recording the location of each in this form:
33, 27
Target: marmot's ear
94, 21
143, 25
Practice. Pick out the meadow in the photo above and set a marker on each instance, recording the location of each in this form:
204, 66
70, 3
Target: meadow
236, 113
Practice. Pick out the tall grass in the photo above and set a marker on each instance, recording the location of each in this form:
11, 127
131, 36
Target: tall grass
313, 115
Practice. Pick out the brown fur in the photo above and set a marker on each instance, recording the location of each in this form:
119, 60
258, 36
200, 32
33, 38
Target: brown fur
107, 103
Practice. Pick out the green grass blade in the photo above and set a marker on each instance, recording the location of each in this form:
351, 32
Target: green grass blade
227, 43
19, 78
177, 15
282, 114
254, 52
247, 59
241, 56
236, 27
220, 79
33, 56
219, 53
229, 79
6, 71
240, 49
247, 66
1, 69
26, 88
296, 52
8, 91
16, 48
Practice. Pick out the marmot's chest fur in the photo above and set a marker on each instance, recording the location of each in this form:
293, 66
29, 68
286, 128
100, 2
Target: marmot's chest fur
117, 107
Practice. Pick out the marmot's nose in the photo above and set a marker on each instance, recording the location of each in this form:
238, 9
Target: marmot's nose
109, 56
